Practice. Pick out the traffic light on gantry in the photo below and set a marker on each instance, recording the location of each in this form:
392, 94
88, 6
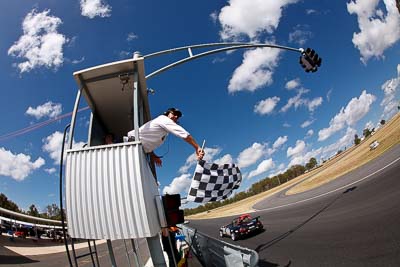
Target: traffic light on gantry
171, 205
310, 60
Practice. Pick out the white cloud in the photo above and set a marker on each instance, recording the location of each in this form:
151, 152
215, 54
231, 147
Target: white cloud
77, 61
50, 170
391, 89
300, 35
310, 132
307, 123
314, 103
299, 148
214, 16
18, 166
93, 8
250, 18
179, 184
324, 152
41, 45
218, 60
226, 159
328, 95
266, 106
263, 167
48, 109
255, 71
298, 101
279, 142
292, 84
251, 155
346, 140
377, 31
52, 144
304, 157
356, 109
311, 11
369, 125
131, 37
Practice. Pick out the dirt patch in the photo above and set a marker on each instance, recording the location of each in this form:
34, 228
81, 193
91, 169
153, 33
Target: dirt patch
347, 161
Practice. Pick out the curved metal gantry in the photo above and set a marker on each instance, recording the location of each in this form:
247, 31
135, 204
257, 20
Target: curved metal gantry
223, 47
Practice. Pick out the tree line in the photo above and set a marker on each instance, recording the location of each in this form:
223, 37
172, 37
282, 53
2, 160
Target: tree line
258, 187
52, 211
366, 133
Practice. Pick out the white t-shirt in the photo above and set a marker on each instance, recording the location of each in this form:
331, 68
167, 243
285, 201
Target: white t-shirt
153, 133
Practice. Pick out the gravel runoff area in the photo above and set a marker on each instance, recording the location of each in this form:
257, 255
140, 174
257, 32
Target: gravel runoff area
352, 158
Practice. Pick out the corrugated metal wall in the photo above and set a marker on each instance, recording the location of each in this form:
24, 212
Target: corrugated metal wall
110, 193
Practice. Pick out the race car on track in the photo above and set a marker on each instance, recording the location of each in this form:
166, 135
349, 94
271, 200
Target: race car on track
241, 226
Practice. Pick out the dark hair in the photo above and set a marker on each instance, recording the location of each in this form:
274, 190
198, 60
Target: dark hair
174, 111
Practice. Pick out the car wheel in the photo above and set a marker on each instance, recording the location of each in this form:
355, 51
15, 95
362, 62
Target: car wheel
233, 236
221, 234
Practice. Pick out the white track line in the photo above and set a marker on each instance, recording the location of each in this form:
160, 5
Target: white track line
337, 189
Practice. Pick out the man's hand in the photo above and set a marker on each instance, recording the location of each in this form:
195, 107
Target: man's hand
200, 153
156, 159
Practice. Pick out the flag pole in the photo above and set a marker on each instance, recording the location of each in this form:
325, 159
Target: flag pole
204, 142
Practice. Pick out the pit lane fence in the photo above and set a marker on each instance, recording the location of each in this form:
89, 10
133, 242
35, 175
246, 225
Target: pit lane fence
213, 252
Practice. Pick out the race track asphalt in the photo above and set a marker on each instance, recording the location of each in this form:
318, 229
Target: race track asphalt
351, 221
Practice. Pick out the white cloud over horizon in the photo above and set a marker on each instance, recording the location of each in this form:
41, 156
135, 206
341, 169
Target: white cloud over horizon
302, 155
297, 149
179, 184
40, 45
391, 90
263, 167
355, 110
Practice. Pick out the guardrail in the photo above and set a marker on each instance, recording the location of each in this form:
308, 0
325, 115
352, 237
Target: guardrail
214, 252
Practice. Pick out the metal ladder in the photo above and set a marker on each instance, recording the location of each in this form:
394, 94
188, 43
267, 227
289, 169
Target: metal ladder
90, 253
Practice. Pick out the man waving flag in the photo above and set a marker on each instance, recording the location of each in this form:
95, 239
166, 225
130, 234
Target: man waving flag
213, 182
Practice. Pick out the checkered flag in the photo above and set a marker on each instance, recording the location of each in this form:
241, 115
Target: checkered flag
213, 182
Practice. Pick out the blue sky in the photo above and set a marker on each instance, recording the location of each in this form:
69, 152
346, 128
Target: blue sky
257, 108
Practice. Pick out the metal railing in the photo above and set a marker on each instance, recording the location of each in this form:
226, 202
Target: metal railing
214, 252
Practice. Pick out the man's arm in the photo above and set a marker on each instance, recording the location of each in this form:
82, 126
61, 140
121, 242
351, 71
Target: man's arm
199, 152
156, 159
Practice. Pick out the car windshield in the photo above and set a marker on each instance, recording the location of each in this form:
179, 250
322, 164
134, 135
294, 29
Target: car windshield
246, 219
